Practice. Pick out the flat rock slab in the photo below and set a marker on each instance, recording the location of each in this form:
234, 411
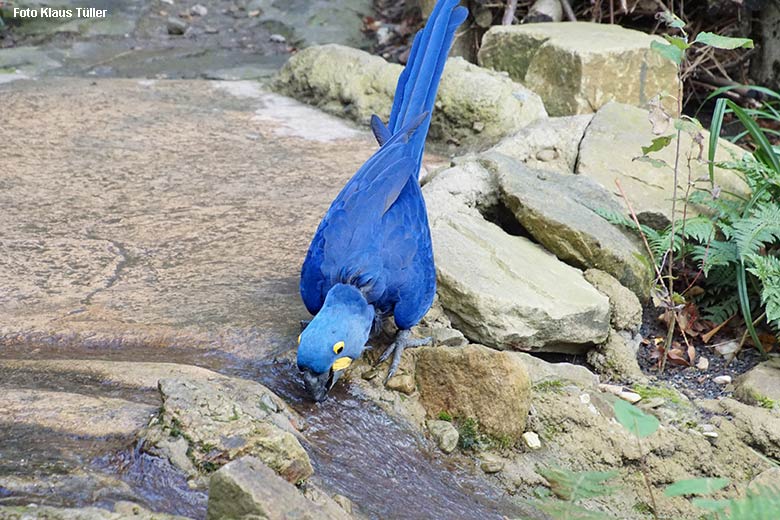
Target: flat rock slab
577, 67
145, 214
613, 140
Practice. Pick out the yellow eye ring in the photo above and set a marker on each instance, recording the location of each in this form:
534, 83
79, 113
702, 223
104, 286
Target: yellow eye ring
338, 348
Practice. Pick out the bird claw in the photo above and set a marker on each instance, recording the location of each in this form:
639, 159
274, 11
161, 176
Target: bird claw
403, 340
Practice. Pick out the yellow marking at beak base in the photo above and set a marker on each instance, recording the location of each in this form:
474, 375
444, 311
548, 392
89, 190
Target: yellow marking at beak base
341, 363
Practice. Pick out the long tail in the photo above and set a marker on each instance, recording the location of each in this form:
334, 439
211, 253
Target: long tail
419, 82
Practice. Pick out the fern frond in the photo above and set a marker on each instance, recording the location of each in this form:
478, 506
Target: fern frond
760, 229
767, 270
718, 253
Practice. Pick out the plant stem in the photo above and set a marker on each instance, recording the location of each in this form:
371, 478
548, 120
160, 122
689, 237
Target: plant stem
643, 471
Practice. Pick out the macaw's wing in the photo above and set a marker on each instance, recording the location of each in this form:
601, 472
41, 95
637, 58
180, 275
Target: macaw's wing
348, 243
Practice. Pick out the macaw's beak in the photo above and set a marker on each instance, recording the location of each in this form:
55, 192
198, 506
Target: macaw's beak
318, 385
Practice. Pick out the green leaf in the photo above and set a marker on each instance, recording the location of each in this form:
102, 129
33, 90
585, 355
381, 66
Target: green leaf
717, 506
582, 485
696, 486
678, 42
635, 420
687, 125
668, 51
658, 163
671, 20
659, 143
715, 126
723, 42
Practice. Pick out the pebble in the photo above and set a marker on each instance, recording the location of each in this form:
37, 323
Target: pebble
722, 380
199, 10
631, 397
176, 26
532, 440
344, 502
547, 155
585, 398
277, 38
478, 126
491, 464
169, 2
703, 364
211, 30
445, 435
612, 389
708, 430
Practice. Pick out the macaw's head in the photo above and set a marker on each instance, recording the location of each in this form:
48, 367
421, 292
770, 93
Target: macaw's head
333, 339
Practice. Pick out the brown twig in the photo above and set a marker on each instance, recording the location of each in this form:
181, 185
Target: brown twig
744, 338
509, 12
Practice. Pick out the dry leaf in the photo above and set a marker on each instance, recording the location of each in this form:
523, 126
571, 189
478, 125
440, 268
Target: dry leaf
727, 349
677, 357
658, 117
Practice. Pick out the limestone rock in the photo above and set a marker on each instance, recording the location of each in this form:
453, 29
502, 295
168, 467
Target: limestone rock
616, 136
475, 107
577, 67
626, 310
616, 360
757, 427
760, 385
548, 144
247, 488
544, 373
223, 420
122, 511
502, 290
475, 382
767, 479
445, 435
558, 211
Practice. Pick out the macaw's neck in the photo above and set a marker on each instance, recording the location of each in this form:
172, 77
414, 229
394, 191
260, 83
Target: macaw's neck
347, 312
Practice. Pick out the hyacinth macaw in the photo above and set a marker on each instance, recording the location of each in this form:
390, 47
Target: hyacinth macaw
371, 257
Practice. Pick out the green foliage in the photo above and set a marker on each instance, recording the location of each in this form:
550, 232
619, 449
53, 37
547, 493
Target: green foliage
649, 392
469, 433
570, 488
761, 505
723, 42
445, 416
696, 486
635, 420
551, 385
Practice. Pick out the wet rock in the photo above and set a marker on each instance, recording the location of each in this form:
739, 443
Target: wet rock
344, 503
577, 67
445, 435
612, 141
355, 84
247, 488
625, 308
760, 385
546, 375
121, 511
226, 418
558, 211
199, 10
520, 296
176, 26
548, 144
475, 382
615, 359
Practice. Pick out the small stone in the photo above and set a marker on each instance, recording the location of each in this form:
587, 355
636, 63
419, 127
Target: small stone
532, 440
478, 126
176, 27
722, 380
711, 435
169, 2
709, 430
491, 464
612, 389
445, 435
585, 398
210, 30
253, 14
344, 502
631, 397
277, 38
546, 155
199, 10
703, 364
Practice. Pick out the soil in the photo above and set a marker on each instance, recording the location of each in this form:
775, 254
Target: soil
693, 382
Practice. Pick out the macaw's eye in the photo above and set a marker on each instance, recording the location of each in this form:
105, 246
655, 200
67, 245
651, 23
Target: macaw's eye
338, 347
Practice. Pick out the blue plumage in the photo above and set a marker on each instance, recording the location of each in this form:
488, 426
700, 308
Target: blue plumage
375, 236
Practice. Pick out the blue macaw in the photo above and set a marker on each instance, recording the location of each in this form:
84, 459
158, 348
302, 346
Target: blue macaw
371, 256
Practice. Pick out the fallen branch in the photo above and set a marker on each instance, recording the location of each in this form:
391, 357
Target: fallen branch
509, 12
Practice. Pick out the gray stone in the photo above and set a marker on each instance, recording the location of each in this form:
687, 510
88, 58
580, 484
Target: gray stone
558, 211
547, 144
475, 107
445, 435
491, 463
577, 67
501, 290
626, 310
615, 359
615, 138
756, 427
543, 373
176, 26
760, 385
247, 488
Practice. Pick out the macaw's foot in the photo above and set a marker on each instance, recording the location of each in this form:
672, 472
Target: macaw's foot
403, 340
